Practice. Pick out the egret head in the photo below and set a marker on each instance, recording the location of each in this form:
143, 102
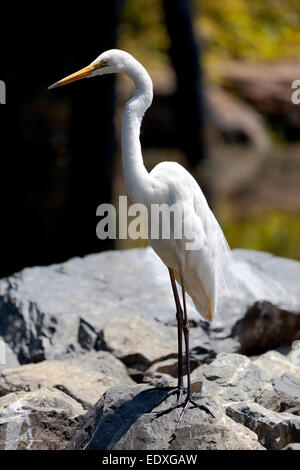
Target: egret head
112, 61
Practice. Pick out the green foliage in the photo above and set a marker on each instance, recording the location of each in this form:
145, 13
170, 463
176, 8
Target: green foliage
249, 29
143, 32
230, 29
276, 232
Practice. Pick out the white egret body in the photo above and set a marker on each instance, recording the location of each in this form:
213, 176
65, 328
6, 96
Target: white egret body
197, 271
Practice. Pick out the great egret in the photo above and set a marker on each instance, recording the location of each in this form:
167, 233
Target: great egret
198, 271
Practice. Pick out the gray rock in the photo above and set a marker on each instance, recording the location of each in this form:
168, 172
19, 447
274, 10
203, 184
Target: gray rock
137, 340
40, 420
288, 389
202, 351
88, 337
264, 327
85, 378
257, 276
46, 312
274, 430
294, 354
232, 378
120, 421
276, 364
8, 358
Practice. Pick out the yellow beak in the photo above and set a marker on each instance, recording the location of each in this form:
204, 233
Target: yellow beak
83, 73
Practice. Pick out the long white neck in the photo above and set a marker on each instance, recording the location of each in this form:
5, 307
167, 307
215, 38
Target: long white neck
137, 179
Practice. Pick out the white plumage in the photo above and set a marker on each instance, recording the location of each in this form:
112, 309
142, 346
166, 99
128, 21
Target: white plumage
204, 268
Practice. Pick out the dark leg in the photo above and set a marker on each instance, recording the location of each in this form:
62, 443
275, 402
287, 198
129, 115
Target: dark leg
183, 328
186, 332
179, 317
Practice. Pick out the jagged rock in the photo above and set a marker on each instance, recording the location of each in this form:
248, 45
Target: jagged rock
40, 420
8, 358
87, 336
265, 326
288, 389
119, 421
84, 378
276, 364
274, 430
46, 312
294, 354
137, 340
234, 378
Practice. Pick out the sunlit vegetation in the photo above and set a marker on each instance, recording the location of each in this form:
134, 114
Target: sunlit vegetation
233, 29
276, 232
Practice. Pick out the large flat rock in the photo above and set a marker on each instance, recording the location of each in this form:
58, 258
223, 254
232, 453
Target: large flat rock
48, 311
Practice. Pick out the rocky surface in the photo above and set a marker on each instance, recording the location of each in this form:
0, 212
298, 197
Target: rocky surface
234, 378
46, 312
138, 340
274, 430
8, 358
261, 277
266, 326
288, 388
108, 320
85, 377
120, 421
40, 420
294, 354
276, 364
230, 384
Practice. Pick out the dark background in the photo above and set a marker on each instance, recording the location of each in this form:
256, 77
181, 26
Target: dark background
60, 153
58, 148
52, 175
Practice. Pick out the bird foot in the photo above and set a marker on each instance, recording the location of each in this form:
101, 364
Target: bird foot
185, 404
169, 392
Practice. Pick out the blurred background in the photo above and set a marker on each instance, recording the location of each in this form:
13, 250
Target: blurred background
222, 74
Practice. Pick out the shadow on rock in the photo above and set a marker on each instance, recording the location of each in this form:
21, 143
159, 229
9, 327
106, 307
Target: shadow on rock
120, 421
113, 426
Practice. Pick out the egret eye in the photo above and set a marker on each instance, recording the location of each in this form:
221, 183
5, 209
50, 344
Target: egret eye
102, 63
